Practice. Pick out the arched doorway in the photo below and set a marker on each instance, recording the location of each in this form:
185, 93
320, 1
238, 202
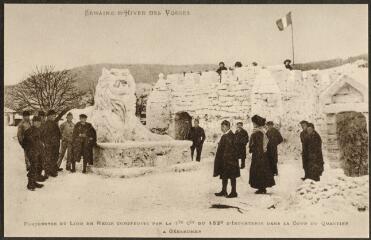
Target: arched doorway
183, 123
351, 130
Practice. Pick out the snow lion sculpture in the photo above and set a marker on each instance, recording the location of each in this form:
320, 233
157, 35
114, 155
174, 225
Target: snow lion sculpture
113, 114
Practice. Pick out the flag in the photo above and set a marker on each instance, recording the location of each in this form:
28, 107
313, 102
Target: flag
284, 22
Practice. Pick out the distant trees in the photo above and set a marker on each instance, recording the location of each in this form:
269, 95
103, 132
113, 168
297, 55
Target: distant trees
47, 89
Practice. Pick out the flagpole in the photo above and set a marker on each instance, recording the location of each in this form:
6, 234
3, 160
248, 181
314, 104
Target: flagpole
292, 40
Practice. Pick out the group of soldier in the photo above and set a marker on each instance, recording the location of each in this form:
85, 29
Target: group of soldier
263, 144
45, 145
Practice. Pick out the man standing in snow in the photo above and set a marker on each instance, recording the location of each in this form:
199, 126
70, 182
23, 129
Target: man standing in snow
313, 155
242, 138
84, 138
197, 135
303, 135
34, 149
226, 161
22, 127
66, 129
275, 138
51, 136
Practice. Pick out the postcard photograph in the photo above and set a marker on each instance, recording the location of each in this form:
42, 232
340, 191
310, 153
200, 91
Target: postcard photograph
164, 120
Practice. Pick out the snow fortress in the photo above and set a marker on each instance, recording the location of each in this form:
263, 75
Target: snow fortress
282, 96
122, 140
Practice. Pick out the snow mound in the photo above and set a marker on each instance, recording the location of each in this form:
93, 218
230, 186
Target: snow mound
185, 167
336, 192
123, 172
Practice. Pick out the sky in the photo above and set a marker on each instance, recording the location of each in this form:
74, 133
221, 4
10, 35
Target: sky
62, 36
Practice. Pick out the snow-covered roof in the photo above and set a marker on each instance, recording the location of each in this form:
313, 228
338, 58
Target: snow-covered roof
357, 80
8, 110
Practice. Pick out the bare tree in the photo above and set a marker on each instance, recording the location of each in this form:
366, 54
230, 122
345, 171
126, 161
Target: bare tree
91, 91
47, 89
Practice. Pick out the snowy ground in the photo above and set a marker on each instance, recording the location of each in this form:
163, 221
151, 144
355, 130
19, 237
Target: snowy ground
179, 199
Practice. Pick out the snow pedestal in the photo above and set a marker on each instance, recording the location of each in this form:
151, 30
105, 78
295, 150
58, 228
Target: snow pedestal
147, 154
141, 154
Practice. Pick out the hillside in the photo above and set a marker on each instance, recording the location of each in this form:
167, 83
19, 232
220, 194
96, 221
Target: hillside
142, 73
146, 75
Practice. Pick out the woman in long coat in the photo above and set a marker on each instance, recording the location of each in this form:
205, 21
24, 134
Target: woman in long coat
261, 174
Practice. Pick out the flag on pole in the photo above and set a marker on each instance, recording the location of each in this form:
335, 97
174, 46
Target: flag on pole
284, 22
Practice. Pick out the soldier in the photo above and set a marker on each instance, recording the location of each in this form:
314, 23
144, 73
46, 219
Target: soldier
197, 135
261, 175
22, 127
34, 149
313, 155
41, 114
226, 162
275, 138
242, 138
303, 135
66, 129
84, 138
41, 166
51, 137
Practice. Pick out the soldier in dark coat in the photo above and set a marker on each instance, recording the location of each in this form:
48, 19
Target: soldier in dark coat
42, 166
261, 174
313, 155
242, 138
84, 138
303, 135
197, 135
51, 137
226, 163
33, 147
22, 127
275, 138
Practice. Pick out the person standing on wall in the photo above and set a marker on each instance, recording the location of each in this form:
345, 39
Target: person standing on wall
66, 129
197, 135
242, 138
226, 162
275, 138
51, 137
220, 69
261, 175
33, 147
84, 138
313, 154
22, 127
303, 137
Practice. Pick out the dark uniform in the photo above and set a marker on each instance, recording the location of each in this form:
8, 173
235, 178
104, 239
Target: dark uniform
261, 175
33, 147
313, 158
275, 138
226, 162
84, 138
197, 135
303, 136
22, 127
242, 138
51, 137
